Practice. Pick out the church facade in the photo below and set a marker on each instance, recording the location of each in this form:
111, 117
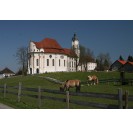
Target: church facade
48, 56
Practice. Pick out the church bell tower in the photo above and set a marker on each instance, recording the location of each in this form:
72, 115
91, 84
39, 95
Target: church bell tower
75, 45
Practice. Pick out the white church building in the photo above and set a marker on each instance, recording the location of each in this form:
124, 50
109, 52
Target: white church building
48, 56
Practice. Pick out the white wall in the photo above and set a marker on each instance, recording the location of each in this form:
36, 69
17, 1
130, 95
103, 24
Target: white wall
34, 54
71, 64
1, 76
90, 67
6, 75
56, 67
42, 57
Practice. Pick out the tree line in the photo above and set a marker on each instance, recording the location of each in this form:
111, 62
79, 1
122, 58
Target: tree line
103, 60
129, 59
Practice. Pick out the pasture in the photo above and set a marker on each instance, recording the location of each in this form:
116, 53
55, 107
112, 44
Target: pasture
35, 81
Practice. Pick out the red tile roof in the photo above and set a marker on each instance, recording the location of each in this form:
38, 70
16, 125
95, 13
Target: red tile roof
70, 52
48, 43
52, 46
122, 61
56, 51
130, 63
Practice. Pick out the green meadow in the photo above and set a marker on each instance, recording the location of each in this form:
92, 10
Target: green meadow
35, 81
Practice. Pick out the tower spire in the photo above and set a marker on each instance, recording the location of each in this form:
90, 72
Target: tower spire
74, 38
75, 44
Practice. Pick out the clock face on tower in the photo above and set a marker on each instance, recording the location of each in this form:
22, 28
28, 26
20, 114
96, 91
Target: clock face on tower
75, 46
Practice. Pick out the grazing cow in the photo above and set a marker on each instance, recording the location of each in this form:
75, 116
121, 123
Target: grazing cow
70, 84
93, 79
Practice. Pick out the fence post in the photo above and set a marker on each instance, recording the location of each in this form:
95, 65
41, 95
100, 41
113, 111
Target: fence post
120, 104
19, 91
39, 97
4, 90
67, 99
126, 99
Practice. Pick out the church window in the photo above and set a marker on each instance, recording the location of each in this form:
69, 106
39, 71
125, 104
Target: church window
47, 62
53, 62
72, 63
64, 62
50, 56
37, 62
59, 62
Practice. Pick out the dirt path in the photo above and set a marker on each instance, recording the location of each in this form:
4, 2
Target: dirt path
3, 106
51, 79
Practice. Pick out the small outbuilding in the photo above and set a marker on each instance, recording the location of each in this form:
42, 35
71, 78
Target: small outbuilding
128, 67
6, 73
117, 65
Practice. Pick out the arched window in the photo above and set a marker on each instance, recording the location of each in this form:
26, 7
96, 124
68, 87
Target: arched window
59, 62
47, 62
53, 62
37, 62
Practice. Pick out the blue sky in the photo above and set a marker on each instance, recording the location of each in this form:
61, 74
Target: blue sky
105, 36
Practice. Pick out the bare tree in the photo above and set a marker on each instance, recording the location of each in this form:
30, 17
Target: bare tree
103, 61
22, 58
86, 55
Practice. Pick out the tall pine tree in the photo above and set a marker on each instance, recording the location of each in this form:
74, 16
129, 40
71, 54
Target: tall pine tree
130, 58
121, 58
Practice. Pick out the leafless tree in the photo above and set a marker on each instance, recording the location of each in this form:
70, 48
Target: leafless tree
103, 61
86, 55
22, 58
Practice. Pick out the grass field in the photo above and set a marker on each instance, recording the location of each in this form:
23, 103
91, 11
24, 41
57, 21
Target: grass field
35, 81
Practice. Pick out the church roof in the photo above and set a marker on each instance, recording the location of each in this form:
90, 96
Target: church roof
48, 43
52, 46
70, 52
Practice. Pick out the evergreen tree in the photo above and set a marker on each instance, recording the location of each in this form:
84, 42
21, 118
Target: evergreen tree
130, 58
121, 58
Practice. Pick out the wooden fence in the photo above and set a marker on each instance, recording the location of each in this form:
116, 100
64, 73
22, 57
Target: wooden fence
106, 81
117, 81
120, 97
